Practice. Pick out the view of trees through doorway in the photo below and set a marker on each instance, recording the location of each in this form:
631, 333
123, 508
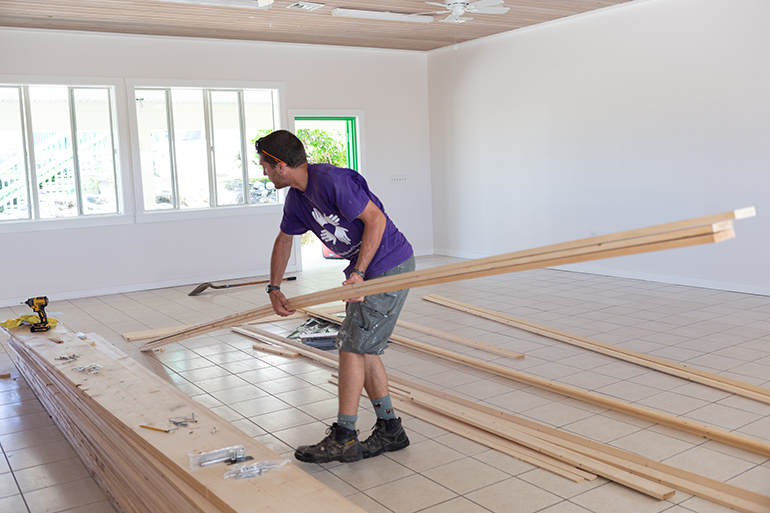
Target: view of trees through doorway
333, 140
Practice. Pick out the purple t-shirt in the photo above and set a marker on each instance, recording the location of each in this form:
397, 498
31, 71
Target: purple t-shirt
329, 207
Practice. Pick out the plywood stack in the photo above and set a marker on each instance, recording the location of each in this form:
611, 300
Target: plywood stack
145, 470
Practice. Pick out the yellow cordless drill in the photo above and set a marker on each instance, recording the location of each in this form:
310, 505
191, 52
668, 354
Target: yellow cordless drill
38, 305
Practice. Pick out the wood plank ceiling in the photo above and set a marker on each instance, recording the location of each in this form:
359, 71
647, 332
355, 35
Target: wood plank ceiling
279, 24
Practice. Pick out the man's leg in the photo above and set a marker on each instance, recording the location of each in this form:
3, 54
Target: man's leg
342, 443
388, 435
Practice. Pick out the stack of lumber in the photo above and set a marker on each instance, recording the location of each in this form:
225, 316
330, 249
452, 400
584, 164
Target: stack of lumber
568, 455
142, 469
664, 419
650, 477
680, 234
652, 362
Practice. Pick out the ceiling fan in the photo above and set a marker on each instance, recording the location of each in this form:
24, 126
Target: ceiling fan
456, 9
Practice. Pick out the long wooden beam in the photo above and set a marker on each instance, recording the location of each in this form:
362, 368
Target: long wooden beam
665, 419
415, 344
460, 340
701, 486
403, 391
668, 236
687, 372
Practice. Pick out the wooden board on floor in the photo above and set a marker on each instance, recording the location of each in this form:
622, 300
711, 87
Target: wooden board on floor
687, 372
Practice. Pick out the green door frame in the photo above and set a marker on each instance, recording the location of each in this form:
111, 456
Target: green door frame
350, 134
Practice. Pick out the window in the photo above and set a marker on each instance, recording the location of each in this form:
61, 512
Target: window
62, 140
196, 146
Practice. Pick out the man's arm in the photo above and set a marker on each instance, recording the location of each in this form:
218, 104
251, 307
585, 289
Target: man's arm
278, 261
374, 227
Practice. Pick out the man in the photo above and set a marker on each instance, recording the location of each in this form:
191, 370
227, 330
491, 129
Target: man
337, 205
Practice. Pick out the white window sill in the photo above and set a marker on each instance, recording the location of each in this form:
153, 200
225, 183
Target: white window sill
160, 216
65, 223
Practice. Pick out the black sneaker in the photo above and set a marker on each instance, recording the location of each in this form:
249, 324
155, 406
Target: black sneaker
340, 444
387, 435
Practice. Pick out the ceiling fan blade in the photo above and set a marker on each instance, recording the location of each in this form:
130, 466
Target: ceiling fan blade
490, 10
435, 3
485, 3
427, 13
455, 19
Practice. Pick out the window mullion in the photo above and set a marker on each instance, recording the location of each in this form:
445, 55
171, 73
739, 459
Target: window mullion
25, 150
244, 150
172, 150
207, 115
114, 151
30, 150
75, 161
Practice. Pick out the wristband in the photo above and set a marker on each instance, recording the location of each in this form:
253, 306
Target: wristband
271, 288
360, 273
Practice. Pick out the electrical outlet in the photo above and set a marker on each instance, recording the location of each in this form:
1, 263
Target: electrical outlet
397, 178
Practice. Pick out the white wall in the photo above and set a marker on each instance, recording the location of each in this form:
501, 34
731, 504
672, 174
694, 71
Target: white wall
644, 113
388, 87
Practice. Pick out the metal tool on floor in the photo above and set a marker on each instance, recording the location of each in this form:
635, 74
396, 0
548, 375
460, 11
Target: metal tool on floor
38, 305
203, 286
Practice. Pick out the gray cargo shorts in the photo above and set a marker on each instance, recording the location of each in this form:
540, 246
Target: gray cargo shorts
369, 324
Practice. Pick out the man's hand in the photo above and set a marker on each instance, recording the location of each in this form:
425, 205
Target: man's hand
280, 303
354, 278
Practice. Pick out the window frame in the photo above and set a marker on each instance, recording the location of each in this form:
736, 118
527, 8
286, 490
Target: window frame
149, 216
121, 160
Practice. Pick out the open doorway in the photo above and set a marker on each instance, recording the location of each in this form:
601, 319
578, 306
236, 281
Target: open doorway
332, 140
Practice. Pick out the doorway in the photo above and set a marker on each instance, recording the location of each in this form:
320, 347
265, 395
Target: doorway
332, 140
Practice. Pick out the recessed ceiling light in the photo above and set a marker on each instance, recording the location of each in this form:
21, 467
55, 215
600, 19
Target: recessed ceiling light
304, 6
381, 15
251, 4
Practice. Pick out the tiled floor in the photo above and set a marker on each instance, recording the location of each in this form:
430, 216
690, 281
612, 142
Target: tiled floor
287, 402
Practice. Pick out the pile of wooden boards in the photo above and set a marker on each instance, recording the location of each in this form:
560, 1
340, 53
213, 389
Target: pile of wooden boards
571, 456
679, 234
142, 469
687, 372
664, 419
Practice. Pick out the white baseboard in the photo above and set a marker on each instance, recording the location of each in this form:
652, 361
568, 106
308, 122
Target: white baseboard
137, 287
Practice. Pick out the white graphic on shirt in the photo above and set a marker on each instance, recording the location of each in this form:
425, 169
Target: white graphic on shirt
340, 233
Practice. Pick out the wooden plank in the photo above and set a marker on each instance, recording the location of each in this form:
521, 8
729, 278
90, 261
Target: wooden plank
282, 25
317, 355
461, 340
728, 495
560, 254
701, 486
161, 332
665, 419
660, 364
414, 344
330, 316
588, 464
520, 452
270, 348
